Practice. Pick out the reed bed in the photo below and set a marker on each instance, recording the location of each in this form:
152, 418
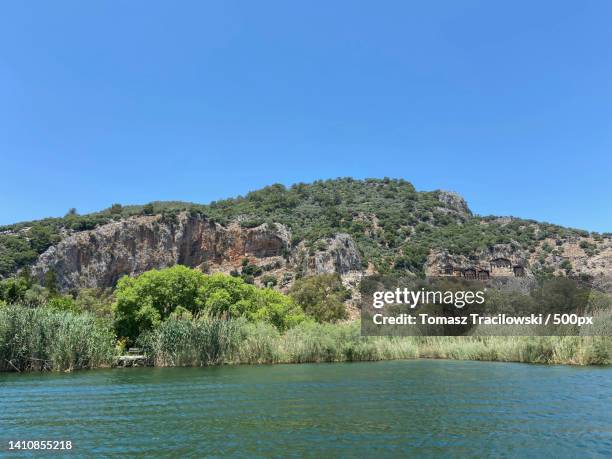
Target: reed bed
41, 339
572, 350
186, 343
34, 339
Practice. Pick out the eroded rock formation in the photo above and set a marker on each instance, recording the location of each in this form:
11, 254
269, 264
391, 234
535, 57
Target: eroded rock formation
98, 258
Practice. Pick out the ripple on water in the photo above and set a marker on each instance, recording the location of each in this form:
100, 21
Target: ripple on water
430, 408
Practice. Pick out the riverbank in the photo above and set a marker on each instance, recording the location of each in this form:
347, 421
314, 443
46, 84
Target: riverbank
178, 343
41, 340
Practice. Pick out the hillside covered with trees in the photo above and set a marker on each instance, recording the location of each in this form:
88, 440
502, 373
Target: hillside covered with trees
394, 226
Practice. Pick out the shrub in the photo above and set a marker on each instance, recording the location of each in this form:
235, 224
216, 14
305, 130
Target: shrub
116, 209
98, 301
148, 209
143, 302
321, 297
13, 290
566, 265
232, 297
63, 303
268, 281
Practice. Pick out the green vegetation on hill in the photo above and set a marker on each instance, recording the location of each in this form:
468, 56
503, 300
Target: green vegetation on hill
393, 225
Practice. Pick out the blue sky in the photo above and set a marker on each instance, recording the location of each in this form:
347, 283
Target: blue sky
507, 103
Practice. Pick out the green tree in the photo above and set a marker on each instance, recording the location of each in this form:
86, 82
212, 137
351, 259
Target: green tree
142, 302
63, 303
233, 297
15, 252
116, 209
148, 209
413, 260
276, 308
26, 275
321, 296
42, 237
13, 290
50, 281
566, 265
98, 301
268, 281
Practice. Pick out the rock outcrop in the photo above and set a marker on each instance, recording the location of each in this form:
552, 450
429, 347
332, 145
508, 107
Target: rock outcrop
453, 203
99, 257
386, 217
339, 255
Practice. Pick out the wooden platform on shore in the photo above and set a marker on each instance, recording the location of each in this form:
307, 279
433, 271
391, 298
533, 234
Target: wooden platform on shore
134, 358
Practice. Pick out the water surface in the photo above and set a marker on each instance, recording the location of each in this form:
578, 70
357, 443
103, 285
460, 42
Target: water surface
383, 409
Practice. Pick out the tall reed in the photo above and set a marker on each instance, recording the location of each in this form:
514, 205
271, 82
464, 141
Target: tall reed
43, 339
213, 341
185, 342
40, 339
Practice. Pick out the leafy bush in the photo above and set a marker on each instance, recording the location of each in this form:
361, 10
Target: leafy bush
321, 297
15, 252
148, 209
13, 290
232, 297
97, 301
268, 281
63, 303
143, 302
566, 265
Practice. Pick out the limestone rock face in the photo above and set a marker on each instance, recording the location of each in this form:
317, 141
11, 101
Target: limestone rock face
99, 257
454, 202
338, 254
267, 240
341, 256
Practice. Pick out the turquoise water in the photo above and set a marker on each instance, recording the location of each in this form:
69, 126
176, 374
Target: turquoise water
383, 409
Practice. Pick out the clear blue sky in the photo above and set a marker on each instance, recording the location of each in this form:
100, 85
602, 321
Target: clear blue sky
507, 103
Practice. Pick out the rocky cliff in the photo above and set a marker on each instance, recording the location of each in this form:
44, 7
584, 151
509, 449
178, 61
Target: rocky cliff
99, 257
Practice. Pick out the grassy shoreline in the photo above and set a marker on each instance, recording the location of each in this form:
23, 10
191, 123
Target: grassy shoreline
42, 339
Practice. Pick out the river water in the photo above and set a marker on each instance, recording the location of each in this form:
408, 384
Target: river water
421, 408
